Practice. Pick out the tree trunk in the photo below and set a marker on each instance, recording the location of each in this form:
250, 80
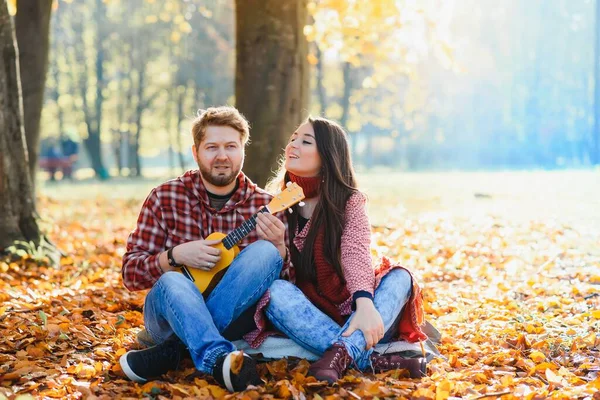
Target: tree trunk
93, 116
321, 94
272, 77
32, 24
180, 99
139, 110
345, 101
17, 208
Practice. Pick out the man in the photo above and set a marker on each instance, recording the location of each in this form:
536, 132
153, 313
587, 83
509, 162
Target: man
171, 227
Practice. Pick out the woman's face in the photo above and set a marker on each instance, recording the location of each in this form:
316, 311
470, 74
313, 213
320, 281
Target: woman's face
301, 155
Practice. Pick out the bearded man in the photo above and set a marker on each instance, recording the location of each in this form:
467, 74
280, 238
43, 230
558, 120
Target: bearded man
172, 227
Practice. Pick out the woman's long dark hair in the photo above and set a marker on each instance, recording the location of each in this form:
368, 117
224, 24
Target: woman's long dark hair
338, 184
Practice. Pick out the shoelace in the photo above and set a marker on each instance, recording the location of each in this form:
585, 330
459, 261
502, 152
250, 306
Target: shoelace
342, 359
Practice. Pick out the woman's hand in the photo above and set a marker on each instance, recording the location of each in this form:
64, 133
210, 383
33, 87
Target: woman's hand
367, 319
270, 228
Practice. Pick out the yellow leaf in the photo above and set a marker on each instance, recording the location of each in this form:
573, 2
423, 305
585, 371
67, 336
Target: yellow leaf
554, 378
544, 366
24, 397
537, 356
595, 384
217, 391
443, 389
596, 314
237, 360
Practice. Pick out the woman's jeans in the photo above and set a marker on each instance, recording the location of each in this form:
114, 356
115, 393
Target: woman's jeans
174, 306
293, 314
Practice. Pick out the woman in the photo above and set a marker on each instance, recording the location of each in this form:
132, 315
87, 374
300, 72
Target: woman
340, 306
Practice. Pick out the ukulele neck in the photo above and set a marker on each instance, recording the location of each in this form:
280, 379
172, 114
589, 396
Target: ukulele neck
243, 230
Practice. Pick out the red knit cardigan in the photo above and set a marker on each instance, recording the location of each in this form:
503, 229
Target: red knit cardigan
359, 272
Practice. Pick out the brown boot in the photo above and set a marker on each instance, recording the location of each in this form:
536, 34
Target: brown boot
416, 367
332, 365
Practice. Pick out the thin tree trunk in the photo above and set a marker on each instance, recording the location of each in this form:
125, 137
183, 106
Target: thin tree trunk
17, 208
91, 117
32, 24
117, 134
345, 100
139, 110
180, 99
168, 120
100, 20
321, 94
272, 72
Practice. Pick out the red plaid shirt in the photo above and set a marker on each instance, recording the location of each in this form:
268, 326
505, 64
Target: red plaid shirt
178, 211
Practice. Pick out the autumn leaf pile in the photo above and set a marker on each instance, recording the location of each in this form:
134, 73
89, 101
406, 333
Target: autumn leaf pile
517, 304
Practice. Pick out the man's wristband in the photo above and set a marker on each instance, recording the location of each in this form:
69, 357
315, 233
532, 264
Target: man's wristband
171, 259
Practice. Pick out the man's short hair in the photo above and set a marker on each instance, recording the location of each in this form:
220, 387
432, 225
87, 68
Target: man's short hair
220, 116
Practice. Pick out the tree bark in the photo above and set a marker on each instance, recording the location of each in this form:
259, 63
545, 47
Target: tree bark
32, 24
92, 114
272, 77
321, 94
17, 208
180, 99
345, 100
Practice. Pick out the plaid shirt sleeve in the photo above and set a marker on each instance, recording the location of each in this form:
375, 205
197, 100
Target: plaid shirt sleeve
141, 268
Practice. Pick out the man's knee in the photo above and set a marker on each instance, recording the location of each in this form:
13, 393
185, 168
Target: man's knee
267, 253
264, 247
172, 278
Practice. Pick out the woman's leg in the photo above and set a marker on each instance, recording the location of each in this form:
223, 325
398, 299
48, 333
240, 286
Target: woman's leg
295, 315
390, 297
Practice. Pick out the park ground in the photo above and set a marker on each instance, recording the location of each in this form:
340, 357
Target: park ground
509, 263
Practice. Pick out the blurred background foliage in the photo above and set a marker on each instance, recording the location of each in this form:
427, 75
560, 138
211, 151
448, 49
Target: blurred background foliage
419, 85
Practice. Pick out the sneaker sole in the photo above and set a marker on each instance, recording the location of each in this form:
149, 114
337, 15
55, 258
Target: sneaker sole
227, 370
127, 369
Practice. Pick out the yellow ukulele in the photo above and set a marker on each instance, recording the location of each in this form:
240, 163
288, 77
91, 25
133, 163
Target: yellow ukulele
206, 281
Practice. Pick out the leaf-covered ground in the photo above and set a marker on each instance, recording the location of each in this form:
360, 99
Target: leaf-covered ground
517, 303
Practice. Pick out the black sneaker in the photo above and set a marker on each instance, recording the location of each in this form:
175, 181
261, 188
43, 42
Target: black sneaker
144, 339
235, 383
144, 365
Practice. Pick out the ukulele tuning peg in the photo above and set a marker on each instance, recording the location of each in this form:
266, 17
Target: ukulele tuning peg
288, 184
290, 210
302, 204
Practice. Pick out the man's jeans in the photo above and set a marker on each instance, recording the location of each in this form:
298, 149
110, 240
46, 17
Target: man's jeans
174, 306
294, 314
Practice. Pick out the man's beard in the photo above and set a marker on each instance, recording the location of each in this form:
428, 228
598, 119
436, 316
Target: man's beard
219, 179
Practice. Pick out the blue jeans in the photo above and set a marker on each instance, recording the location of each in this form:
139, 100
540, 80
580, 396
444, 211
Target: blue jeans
175, 307
293, 314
